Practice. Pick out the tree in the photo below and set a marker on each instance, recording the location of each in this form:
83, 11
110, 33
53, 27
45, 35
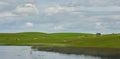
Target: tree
98, 34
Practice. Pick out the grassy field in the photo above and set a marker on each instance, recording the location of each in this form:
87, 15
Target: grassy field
61, 39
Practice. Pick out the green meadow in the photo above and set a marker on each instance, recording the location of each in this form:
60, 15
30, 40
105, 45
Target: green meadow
61, 39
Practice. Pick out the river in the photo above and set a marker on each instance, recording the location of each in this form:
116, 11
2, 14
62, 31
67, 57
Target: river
26, 52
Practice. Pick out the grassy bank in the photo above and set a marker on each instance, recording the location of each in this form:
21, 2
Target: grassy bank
61, 39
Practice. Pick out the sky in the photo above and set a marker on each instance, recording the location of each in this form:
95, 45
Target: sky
86, 16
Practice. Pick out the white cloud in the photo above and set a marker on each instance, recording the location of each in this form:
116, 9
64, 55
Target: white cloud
2, 3
106, 9
27, 9
98, 24
93, 3
29, 24
113, 17
100, 27
57, 9
60, 27
7, 14
53, 10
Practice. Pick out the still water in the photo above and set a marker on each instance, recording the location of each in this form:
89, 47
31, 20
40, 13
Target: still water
26, 52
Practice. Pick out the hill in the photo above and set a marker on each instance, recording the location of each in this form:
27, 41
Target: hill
61, 39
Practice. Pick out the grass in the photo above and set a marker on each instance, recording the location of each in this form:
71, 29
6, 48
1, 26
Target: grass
61, 39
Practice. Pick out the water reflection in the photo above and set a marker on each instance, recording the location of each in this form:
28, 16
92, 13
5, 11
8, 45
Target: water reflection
26, 52
52, 55
15, 52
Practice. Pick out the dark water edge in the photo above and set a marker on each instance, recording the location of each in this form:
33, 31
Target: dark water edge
104, 53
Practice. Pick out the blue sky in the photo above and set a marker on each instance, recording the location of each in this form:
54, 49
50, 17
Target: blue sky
89, 16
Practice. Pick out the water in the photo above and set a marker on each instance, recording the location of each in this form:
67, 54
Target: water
15, 52
25, 52
52, 55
